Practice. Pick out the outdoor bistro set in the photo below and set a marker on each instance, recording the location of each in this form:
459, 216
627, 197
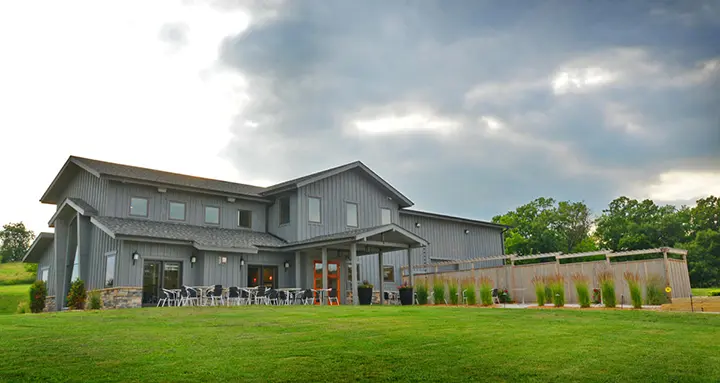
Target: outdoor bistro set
234, 296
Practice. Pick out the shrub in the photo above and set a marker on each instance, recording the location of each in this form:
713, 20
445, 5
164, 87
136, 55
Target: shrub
365, 285
557, 286
539, 283
714, 293
422, 293
486, 291
31, 267
504, 296
77, 295
469, 288
655, 290
439, 291
582, 282
38, 293
607, 287
95, 301
23, 308
633, 281
453, 291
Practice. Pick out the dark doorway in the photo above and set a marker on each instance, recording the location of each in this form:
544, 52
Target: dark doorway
262, 275
158, 275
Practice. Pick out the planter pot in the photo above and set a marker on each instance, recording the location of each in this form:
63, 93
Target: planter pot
406, 297
365, 295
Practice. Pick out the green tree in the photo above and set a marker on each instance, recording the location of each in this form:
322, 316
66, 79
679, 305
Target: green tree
704, 259
15, 240
573, 222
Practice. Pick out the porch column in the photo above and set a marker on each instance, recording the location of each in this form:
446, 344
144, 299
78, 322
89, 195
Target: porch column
353, 260
325, 281
298, 283
382, 287
410, 269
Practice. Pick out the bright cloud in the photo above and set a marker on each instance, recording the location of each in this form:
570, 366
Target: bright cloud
581, 79
410, 123
683, 186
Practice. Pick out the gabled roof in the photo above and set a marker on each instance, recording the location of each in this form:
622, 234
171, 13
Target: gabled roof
77, 204
452, 218
201, 237
314, 177
360, 235
38, 247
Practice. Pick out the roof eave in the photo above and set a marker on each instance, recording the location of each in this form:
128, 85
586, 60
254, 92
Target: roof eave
451, 218
40, 243
251, 197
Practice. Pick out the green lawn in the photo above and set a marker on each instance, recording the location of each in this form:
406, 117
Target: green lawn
342, 344
15, 274
703, 292
10, 296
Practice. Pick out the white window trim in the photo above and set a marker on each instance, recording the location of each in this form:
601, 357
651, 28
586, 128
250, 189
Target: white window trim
319, 209
219, 215
357, 214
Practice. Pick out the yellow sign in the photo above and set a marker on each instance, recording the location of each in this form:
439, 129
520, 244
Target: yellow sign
668, 289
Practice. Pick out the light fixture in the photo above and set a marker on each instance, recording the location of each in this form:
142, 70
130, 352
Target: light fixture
287, 265
193, 259
417, 224
242, 262
467, 231
222, 260
135, 257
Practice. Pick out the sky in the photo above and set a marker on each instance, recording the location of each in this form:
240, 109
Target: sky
469, 108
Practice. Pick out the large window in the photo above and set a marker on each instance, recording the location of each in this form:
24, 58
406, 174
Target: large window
245, 218
388, 273
212, 214
352, 214
284, 210
386, 216
138, 207
44, 273
177, 211
314, 209
262, 276
76, 265
110, 270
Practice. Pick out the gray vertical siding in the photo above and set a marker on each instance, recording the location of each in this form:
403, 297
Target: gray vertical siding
289, 231
47, 260
334, 192
231, 274
158, 206
101, 244
89, 188
132, 275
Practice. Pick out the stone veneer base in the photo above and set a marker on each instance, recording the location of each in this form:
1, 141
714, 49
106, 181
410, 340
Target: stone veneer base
49, 303
120, 297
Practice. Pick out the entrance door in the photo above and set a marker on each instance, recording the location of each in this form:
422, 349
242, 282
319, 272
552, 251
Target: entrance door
262, 276
333, 268
158, 275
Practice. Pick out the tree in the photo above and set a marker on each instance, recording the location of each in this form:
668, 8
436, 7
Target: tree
15, 241
704, 259
573, 223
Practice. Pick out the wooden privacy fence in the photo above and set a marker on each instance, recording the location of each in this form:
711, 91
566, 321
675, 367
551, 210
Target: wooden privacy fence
517, 279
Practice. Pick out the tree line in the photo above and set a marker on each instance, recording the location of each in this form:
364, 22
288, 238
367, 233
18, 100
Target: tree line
546, 225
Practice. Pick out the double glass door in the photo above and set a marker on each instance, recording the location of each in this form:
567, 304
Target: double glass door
333, 276
262, 276
159, 275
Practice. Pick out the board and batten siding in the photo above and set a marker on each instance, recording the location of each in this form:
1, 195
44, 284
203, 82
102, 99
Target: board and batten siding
132, 275
159, 206
231, 274
47, 261
100, 245
447, 239
334, 192
87, 187
288, 231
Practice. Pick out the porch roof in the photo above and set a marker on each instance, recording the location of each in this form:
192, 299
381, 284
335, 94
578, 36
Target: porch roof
38, 247
72, 205
202, 238
392, 237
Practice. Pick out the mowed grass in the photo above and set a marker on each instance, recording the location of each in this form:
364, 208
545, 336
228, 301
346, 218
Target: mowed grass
14, 274
703, 292
371, 343
10, 297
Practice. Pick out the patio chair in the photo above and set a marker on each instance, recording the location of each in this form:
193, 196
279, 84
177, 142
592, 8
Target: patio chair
332, 297
260, 297
244, 297
193, 298
216, 295
273, 297
282, 297
233, 296
464, 296
495, 297
308, 297
170, 299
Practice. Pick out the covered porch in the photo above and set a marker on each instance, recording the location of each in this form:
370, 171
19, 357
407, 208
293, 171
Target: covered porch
332, 261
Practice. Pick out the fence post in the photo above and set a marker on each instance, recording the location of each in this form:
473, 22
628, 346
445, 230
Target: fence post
667, 269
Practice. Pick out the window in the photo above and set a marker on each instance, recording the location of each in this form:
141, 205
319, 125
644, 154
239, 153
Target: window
284, 210
76, 265
349, 274
177, 211
110, 270
212, 214
386, 216
139, 207
314, 209
388, 273
245, 218
44, 274
352, 214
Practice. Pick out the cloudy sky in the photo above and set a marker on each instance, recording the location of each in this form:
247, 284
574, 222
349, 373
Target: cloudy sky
468, 107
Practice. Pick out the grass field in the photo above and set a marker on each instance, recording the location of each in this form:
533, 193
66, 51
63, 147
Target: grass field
299, 344
703, 292
10, 296
15, 274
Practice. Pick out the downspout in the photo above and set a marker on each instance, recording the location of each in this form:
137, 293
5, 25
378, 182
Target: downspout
502, 239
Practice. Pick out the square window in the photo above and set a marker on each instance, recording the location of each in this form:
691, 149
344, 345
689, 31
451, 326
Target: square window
284, 210
245, 218
314, 209
352, 214
386, 216
138, 207
388, 273
177, 211
212, 214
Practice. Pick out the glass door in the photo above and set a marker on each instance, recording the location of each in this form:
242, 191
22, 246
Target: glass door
333, 271
151, 282
262, 275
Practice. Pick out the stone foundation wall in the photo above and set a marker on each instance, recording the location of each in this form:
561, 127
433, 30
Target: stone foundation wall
49, 304
121, 297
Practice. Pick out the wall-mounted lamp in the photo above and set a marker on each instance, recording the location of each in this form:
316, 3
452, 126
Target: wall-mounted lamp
242, 262
287, 265
417, 224
193, 259
467, 231
135, 257
222, 260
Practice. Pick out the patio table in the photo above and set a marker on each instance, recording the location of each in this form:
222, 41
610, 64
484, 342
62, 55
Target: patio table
523, 293
288, 291
202, 293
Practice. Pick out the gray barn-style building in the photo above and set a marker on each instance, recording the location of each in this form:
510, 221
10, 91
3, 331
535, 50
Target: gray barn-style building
131, 231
